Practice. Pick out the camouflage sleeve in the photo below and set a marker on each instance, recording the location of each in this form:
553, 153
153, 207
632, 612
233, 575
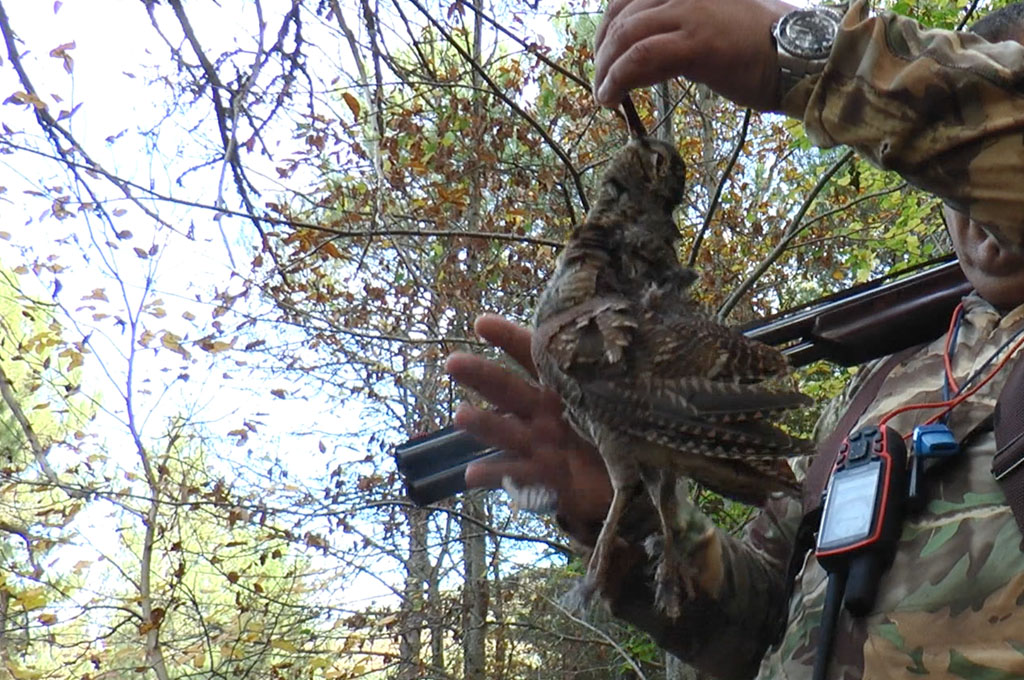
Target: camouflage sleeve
725, 633
945, 109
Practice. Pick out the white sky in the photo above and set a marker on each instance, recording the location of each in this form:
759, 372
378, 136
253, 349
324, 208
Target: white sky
111, 41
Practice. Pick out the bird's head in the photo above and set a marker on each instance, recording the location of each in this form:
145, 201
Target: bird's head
646, 177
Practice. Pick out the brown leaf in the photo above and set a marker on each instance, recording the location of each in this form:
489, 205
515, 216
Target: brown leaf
61, 52
26, 98
353, 104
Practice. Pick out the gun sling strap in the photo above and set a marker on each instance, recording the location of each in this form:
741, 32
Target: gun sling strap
1008, 424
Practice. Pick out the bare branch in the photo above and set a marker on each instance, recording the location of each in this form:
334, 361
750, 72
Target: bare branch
740, 141
793, 230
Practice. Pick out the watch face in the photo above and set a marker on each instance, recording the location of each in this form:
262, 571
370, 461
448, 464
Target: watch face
808, 33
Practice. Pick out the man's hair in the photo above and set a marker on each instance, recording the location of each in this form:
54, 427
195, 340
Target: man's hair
1005, 23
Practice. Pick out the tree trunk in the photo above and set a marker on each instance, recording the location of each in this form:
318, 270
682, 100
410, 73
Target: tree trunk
474, 540
474, 592
410, 644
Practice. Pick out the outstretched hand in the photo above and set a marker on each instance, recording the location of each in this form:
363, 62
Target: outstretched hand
540, 447
725, 44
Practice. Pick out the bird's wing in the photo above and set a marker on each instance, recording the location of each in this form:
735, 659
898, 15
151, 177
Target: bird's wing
591, 335
682, 378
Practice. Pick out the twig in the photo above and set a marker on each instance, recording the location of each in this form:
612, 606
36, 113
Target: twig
529, 47
557, 547
499, 93
793, 229
604, 636
38, 450
695, 250
280, 221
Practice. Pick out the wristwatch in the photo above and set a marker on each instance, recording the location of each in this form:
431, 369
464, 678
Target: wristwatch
804, 40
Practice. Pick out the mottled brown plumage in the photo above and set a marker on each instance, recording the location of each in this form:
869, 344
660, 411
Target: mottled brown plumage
660, 388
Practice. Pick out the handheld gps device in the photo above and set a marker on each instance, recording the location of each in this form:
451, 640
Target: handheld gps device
863, 512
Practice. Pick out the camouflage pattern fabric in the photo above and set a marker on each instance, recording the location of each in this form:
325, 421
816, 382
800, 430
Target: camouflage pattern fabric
945, 109
951, 604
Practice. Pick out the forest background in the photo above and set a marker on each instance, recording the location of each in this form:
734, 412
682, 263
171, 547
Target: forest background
237, 240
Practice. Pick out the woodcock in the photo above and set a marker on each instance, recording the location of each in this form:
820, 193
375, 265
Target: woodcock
660, 388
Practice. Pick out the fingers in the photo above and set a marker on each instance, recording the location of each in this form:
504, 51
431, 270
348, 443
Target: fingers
725, 44
642, 44
648, 61
489, 473
505, 432
510, 337
503, 388
616, 11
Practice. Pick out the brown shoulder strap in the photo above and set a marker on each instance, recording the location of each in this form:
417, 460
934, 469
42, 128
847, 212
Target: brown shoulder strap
1008, 463
821, 466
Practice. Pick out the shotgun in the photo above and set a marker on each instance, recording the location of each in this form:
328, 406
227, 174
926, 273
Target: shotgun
864, 322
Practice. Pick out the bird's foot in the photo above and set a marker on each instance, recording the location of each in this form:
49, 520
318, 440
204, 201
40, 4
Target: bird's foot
691, 565
673, 585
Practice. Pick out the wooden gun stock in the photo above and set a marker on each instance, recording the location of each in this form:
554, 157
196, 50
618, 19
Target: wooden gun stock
856, 325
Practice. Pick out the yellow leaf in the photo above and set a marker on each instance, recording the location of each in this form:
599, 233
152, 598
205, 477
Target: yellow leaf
173, 343
353, 104
279, 393
33, 598
22, 673
96, 294
47, 619
285, 645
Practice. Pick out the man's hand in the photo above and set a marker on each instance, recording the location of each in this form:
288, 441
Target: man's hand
725, 44
541, 447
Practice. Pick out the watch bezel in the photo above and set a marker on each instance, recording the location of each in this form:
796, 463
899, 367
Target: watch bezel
823, 50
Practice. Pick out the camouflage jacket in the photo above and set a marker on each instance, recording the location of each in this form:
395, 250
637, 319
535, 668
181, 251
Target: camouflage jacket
945, 109
950, 605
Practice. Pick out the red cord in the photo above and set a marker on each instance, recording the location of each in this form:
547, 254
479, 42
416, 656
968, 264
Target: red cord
947, 360
947, 406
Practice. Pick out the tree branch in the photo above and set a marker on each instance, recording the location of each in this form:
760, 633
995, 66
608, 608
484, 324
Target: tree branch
499, 93
740, 141
793, 229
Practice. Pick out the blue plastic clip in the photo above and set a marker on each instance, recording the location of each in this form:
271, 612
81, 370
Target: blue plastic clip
934, 441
